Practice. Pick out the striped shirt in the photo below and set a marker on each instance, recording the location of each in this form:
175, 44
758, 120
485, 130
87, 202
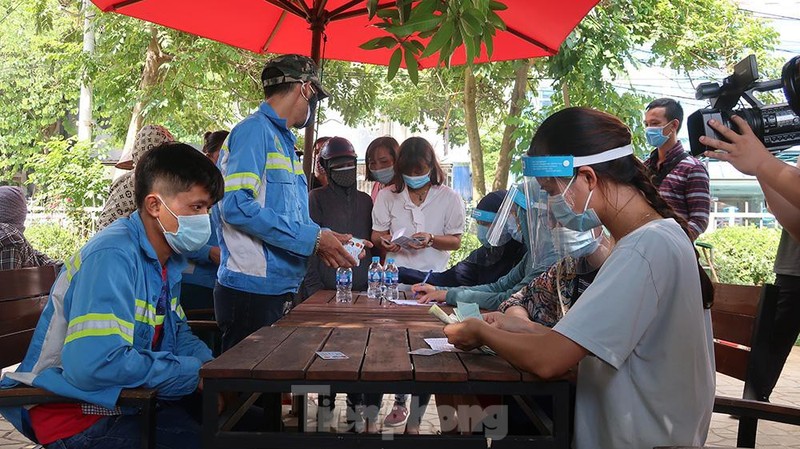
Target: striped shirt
685, 188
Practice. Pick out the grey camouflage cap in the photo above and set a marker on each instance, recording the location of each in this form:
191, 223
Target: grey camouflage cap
295, 68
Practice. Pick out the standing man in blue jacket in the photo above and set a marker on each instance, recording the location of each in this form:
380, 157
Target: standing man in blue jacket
113, 319
265, 233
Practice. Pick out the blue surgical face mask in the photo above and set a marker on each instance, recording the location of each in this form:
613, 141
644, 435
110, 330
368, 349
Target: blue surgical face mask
514, 229
575, 243
192, 233
563, 213
384, 175
655, 135
415, 182
482, 231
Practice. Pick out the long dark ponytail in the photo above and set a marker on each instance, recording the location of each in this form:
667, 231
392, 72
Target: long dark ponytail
582, 132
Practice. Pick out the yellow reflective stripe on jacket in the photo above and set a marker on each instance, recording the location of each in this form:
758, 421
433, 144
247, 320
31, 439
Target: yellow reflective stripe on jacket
99, 325
239, 181
73, 264
146, 313
177, 308
277, 161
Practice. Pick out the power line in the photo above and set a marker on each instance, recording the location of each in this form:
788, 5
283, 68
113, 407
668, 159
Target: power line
769, 15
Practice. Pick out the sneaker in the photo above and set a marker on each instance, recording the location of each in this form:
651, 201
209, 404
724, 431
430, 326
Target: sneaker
397, 417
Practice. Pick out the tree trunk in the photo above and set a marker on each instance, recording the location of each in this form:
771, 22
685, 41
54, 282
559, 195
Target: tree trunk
473, 136
154, 59
85, 103
565, 94
514, 110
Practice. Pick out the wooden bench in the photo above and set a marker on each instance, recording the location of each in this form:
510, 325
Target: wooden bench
23, 295
742, 318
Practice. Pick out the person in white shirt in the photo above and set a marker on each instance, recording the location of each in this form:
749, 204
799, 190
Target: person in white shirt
641, 333
420, 204
428, 211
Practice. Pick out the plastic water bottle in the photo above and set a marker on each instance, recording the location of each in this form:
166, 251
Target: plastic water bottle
374, 278
344, 285
390, 280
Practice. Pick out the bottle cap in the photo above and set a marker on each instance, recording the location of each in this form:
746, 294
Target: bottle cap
376, 259
389, 261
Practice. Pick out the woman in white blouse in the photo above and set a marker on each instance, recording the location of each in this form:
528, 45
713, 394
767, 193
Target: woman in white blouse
419, 204
423, 207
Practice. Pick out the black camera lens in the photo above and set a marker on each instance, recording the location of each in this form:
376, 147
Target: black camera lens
790, 76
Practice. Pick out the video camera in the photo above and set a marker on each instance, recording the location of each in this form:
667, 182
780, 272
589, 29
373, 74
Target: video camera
776, 125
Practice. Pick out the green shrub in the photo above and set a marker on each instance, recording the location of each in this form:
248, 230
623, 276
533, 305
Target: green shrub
69, 176
469, 243
54, 240
744, 254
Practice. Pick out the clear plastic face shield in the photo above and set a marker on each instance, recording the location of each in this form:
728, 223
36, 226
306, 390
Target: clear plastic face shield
513, 222
505, 225
578, 235
479, 224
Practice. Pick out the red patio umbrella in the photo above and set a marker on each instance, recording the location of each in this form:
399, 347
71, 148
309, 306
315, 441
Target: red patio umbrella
534, 28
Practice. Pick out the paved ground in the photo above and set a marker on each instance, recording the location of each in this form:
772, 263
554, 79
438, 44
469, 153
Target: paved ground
722, 432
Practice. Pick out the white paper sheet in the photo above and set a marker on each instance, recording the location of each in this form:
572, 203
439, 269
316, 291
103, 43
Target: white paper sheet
441, 344
408, 302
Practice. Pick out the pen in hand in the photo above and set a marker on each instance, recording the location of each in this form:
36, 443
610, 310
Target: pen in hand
424, 281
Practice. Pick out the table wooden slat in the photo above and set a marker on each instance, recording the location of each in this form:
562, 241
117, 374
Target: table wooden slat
352, 343
442, 367
320, 297
487, 367
294, 355
387, 356
240, 360
398, 325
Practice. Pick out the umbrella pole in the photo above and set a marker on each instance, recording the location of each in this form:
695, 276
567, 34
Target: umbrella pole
308, 145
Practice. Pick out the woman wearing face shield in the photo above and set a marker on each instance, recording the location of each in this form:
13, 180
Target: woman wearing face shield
641, 333
486, 264
511, 223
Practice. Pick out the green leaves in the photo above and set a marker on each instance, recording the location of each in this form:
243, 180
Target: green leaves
448, 24
379, 42
412, 66
442, 36
470, 22
394, 63
372, 7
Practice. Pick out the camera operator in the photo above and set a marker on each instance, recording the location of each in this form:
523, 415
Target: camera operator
780, 181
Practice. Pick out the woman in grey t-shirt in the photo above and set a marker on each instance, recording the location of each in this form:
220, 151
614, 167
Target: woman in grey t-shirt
641, 333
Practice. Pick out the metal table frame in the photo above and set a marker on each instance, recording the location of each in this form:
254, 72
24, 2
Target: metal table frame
214, 435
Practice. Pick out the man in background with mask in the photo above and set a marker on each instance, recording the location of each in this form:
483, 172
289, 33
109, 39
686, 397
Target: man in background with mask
681, 179
265, 232
342, 208
484, 265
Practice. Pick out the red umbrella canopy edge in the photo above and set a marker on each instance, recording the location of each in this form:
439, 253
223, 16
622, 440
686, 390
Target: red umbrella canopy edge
534, 28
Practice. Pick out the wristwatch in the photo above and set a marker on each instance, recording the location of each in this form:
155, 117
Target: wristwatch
430, 242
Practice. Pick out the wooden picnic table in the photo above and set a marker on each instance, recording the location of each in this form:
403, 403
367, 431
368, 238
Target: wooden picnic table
322, 310
376, 339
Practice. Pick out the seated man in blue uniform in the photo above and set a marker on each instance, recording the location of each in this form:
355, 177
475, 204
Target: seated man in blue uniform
484, 265
113, 320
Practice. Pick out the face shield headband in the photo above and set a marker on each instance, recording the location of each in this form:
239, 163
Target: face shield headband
573, 235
